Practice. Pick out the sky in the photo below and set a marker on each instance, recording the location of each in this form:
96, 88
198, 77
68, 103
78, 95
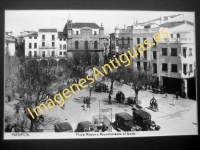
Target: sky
31, 20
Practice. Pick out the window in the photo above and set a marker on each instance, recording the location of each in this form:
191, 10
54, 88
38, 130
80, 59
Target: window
60, 39
86, 44
138, 65
190, 51
122, 40
43, 37
174, 68
138, 40
35, 53
30, 37
173, 52
35, 45
154, 55
95, 45
145, 66
178, 36
76, 32
60, 46
64, 46
35, 37
30, 54
184, 51
143, 42
145, 54
60, 53
128, 40
65, 53
154, 43
154, 68
138, 56
64, 39
171, 35
53, 37
76, 45
164, 51
52, 53
185, 69
191, 68
43, 54
30, 46
95, 32
164, 67
53, 44
43, 44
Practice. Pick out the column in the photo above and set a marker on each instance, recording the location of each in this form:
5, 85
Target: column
184, 88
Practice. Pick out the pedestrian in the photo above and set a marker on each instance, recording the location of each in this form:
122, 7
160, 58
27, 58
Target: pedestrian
84, 104
109, 97
123, 97
176, 97
88, 102
152, 103
156, 106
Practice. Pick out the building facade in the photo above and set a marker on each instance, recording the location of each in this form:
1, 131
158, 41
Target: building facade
85, 42
172, 60
10, 44
45, 44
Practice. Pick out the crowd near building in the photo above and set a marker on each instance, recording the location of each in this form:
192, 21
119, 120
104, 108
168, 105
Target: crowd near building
172, 60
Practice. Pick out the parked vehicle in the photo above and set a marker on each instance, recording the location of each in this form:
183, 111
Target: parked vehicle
125, 122
131, 100
85, 126
63, 127
143, 119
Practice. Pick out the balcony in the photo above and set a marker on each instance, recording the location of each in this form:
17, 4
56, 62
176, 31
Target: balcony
149, 30
47, 47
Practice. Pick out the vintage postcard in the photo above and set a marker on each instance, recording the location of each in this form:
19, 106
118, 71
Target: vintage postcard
99, 74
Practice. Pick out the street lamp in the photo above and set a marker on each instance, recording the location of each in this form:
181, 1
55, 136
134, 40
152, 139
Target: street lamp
90, 86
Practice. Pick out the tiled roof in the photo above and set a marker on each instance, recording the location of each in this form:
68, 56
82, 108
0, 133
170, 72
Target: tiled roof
31, 35
80, 25
47, 30
174, 24
61, 35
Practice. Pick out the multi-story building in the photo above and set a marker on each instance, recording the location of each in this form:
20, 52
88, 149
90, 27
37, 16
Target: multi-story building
46, 43
85, 42
10, 43
172, 60
177, 58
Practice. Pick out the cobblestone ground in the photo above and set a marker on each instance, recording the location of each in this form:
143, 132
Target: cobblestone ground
180, 119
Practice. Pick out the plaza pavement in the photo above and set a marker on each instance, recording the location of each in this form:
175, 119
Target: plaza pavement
180, 119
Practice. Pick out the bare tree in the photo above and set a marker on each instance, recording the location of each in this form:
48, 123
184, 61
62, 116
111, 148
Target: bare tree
139, 79
34, 81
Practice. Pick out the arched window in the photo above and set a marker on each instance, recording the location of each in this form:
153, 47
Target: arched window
86, 44
122, 40
95, 45
76, 45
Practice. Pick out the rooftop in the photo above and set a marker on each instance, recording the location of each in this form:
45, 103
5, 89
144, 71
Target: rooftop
61, 35
47, 30
175, 24
80, 25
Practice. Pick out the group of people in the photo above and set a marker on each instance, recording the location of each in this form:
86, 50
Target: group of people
154, 104
86, 103
120, 97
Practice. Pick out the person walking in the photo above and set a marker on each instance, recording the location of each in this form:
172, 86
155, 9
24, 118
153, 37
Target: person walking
109, 97
84, 104
88, 102
176, 97
156, 105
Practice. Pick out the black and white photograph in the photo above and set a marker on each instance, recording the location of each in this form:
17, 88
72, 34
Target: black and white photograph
77, 74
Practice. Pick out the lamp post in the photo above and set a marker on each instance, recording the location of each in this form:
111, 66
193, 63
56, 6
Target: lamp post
99, 110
